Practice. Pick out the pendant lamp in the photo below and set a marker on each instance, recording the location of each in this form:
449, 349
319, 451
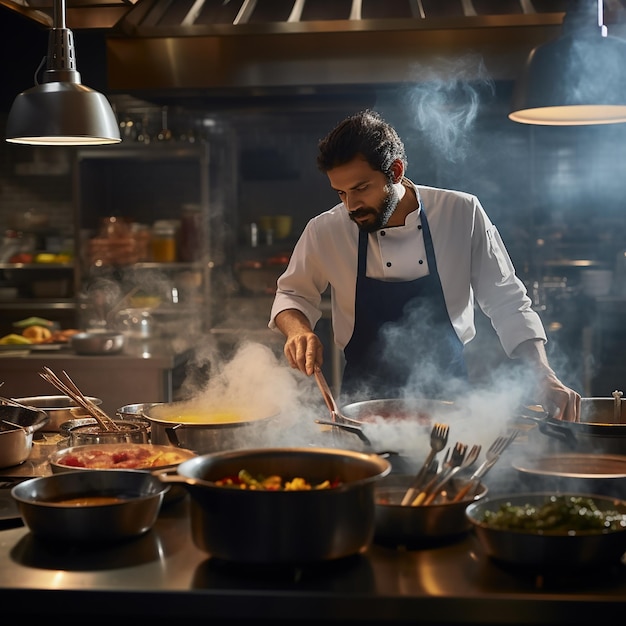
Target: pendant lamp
61, 111
580, 78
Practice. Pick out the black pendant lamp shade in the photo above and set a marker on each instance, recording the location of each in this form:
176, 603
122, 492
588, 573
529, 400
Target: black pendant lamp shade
61, 111
577, 79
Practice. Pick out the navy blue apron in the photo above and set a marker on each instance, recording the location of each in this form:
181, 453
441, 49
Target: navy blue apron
401, 330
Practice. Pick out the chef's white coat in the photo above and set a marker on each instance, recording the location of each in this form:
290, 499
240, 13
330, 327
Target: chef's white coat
472, 261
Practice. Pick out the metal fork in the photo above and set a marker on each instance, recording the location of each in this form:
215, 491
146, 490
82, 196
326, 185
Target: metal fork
493, 454
438, 441
453, 459
470, 458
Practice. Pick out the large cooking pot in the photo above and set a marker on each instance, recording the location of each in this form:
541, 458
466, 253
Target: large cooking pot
282, 527
17, 425
601, 428
204, 429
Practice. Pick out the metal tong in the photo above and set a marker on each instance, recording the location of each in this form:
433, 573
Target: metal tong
71, 390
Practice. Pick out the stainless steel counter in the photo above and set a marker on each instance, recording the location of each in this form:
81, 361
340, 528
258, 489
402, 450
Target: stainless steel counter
163, 574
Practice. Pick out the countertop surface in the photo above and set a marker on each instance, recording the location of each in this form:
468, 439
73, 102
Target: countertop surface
164, 573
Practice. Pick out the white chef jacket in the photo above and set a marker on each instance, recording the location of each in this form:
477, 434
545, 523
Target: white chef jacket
472, 261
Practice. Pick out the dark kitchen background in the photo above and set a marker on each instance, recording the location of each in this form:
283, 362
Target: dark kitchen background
256, 103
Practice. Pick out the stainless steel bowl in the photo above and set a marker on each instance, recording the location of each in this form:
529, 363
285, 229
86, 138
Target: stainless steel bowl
17, 425
115, 505
58, 408
96, 343
532, 548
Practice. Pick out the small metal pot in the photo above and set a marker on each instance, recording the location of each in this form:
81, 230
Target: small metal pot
282, 527
58, 409
209, 432
86, 430
420, 526
17, 425
40, 503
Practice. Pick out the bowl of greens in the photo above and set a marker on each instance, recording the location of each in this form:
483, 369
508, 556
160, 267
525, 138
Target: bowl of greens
550, 530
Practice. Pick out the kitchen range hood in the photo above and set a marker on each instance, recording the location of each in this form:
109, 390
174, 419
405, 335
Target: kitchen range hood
306, 46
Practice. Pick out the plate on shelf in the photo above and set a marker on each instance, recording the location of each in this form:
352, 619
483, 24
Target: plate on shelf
33, 347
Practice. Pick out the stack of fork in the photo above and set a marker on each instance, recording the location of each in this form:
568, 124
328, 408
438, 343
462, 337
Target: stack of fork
425, 489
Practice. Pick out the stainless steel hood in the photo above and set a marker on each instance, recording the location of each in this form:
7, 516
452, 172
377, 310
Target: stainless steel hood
304, 46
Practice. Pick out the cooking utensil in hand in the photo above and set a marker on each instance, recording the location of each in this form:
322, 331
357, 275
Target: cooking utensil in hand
452, 459
469, 460
106, 422
438, 441
356, 430
493, 454
329, 399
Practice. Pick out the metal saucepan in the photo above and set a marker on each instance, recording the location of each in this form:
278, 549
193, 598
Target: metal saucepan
90, 506
17, 425
282, 527
205, 429
601, 429
545, 550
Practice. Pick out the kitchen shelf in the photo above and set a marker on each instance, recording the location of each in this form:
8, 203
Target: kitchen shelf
37, 266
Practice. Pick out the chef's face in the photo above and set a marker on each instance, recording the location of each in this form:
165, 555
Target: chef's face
367, 194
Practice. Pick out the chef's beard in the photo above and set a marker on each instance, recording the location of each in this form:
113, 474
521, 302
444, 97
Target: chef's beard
382, 214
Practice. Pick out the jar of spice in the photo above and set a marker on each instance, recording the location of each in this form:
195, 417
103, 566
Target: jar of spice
163, 242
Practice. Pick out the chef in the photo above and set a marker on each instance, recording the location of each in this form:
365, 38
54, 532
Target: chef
405, 264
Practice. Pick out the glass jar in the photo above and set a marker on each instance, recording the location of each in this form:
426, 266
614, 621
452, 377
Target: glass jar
163, 244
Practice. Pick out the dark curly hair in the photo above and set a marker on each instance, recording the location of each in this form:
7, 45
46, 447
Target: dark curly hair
366, 133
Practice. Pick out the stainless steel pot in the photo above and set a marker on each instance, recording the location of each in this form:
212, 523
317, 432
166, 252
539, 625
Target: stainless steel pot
601, 429
282, 527
17, 426
204, 429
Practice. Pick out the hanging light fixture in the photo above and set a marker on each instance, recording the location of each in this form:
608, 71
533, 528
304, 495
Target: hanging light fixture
580, 78
61, 111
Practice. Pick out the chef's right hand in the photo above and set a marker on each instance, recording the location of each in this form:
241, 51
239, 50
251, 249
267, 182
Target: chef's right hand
304, 351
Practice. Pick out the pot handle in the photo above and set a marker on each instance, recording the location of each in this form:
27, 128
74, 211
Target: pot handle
172, 436
559, 431
551, 427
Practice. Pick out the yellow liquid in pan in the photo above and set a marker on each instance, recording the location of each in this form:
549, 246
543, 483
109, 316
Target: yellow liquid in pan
208, 417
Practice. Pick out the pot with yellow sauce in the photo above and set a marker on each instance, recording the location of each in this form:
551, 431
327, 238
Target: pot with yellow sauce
204, 428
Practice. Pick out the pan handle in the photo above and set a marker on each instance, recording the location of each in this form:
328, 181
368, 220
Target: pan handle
551, 427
